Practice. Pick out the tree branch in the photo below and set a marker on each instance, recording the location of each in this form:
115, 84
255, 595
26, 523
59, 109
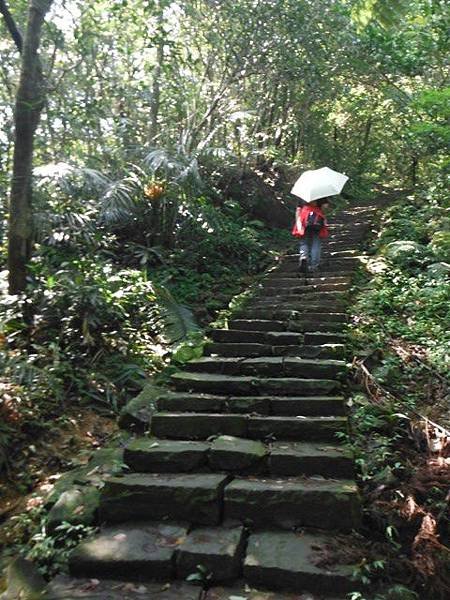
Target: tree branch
11, 26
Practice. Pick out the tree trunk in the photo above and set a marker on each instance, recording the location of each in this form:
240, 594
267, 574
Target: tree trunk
362, 151
11, 25
29, 103
414, 168
156, 93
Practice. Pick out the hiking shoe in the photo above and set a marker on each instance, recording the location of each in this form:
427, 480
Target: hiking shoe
303, 266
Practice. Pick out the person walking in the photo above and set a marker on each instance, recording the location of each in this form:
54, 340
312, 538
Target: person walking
311, 227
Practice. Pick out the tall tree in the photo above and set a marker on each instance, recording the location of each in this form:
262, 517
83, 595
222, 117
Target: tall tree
29, 103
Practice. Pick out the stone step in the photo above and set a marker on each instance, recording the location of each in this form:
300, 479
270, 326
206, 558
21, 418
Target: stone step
307, 406
201, 426
333, 351
239, 456
198, 426
298, 325
322, 337
291, 561
348, 264
300, 458
220, 551
275, 338
258, 502
154, 455
334, 265
67, 588
321, 272
278, 313
348, 261
211, 403
297, 305
272, 366
299, 428
289, 503
289, 278
139, 551
303, 293
324, 270
262, 405
282, 284
319, 277
301, 303
335, 253
252, 386
159, 551
188, 498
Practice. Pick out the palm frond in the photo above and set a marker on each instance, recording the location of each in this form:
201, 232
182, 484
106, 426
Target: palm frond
54, 227
177, 320
118, 203
176, 166
63, 174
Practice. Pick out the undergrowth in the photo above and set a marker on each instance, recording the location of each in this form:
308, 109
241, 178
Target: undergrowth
400, 338
110, 301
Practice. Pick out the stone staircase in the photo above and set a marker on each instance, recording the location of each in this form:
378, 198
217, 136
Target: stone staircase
243, 473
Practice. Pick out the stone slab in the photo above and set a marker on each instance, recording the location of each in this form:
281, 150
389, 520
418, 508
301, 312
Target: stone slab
179, 401
286, 314
66, 588
255, 337
248, 404
295, 459
256, 325
246, 592
184, 497
314, 325
197, 426
22, 581
237, 349
290, 502
237, 455
151, 455
136, 414
248, 386
296, 386
218, 549
235, 336
299, 428
323, 351
317, 368
322, 337
77, 505
307, 405
140, 551
291, 561
213, 384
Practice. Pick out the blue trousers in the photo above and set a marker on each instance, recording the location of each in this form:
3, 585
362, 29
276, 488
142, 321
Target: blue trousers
310, 249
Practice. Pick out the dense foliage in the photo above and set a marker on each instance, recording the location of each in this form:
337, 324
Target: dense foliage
401, 339
170, 135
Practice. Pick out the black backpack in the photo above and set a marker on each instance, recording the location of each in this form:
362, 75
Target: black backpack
314, 222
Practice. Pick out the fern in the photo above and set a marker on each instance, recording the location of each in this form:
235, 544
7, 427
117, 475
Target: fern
176, 319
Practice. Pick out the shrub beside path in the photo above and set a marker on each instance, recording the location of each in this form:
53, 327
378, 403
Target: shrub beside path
242, 472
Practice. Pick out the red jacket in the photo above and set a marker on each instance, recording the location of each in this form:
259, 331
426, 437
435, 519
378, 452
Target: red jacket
301, 216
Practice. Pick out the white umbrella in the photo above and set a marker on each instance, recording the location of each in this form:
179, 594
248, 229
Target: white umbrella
312, 185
